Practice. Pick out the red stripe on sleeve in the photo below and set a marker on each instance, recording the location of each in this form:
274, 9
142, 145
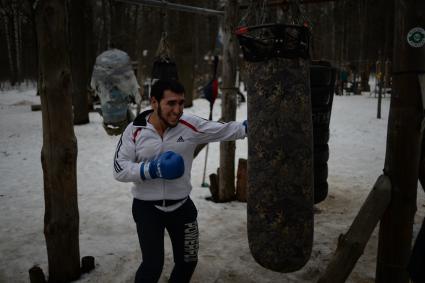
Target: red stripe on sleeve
135, 134
187, 124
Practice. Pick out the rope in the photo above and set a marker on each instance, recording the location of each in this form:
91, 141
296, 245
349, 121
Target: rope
294, 6
256, 13
244, 21
163, 51
263, 12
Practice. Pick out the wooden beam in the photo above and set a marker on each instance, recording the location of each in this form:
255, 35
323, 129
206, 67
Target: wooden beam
228, 100
404, 140
351, 245
242, 180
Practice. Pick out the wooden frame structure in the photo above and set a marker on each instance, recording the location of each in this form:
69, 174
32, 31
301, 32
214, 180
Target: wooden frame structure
391, 201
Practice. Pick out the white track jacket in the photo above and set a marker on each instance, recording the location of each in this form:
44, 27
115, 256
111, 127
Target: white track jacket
140, 142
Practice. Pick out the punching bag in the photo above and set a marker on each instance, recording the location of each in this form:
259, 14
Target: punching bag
280, 145
164, 68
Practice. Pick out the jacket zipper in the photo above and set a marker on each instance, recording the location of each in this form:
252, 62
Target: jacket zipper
163, 180
162, 147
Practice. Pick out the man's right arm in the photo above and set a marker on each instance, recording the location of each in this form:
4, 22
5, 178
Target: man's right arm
168, 165
126, 169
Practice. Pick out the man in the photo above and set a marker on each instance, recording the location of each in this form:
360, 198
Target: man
155, 152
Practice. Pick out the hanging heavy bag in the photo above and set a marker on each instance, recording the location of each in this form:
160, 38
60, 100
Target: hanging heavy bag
164, 68
280, 145
210, 91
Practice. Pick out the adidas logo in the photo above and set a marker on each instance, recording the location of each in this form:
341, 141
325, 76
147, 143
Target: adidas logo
180, 139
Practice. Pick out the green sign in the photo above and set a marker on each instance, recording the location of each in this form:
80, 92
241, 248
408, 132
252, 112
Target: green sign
416, 37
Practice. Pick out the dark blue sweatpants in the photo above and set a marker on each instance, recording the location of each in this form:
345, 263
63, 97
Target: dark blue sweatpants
182, 227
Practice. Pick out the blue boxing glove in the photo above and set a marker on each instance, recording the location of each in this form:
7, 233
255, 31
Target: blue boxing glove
169, 165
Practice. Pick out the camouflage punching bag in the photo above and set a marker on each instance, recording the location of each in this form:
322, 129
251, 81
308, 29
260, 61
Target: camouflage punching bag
280, 146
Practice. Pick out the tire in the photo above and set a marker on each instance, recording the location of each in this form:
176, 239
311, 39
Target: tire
320, 96
321, 116
320, 173
320, 135
320, 192
320, 74
321, 154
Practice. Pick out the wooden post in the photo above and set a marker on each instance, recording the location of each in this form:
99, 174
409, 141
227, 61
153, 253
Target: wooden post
59, 152
230, 56
422, 162
36, 275
214, 184
351, 245
242, 180
403, 145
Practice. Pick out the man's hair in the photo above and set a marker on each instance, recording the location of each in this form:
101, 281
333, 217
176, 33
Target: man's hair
160, 86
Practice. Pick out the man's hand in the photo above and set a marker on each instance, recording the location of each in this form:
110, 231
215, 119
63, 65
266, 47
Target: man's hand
169, 165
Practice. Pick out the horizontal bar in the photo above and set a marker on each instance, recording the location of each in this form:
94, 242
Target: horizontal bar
286, 2
174, 6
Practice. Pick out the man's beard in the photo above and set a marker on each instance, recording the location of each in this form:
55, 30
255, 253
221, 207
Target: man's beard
164, 120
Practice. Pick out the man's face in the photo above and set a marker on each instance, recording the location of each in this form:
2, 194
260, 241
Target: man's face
170, 108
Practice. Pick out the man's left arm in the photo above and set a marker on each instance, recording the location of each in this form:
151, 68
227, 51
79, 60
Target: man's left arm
211, 131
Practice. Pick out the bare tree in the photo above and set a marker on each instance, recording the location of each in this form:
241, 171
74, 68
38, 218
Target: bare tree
117, 10
5, 14
59, 152
16, 32
79, 67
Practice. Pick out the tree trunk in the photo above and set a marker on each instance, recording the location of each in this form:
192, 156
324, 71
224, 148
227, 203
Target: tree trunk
59, 152
78, 52
228, 101
351, 245
90, 47
108, 14
103, 37
17, 43
403, 147
117, 25
422, 164
141, 66
9, 47
378, 112
183, 48
364, 62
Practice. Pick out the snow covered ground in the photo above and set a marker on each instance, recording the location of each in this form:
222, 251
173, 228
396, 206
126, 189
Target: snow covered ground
107, 230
